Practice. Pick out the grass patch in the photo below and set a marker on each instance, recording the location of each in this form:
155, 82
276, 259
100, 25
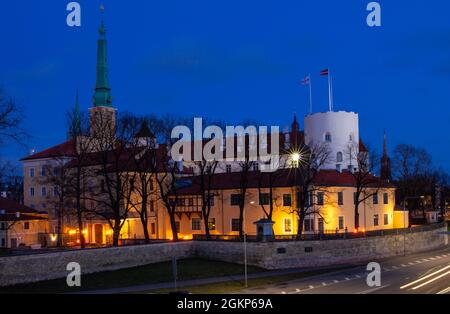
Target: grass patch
236, 286
155, 273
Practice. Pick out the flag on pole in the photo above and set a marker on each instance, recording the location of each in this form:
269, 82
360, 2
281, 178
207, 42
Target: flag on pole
324, 72
306, 81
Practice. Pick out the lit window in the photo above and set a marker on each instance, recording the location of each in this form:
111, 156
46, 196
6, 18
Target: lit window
386, 219
287, 225
212, 223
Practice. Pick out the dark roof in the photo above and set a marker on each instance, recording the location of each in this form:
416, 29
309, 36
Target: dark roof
280, 178
144, 132
12, 207
362, 147
66, 149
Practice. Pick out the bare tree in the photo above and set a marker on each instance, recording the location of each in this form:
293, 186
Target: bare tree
305, 172
363, 165
11, 117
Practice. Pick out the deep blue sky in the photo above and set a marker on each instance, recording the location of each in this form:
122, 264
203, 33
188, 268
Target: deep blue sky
234, 60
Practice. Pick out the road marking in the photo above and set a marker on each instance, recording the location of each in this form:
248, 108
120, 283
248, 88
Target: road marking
431, 280
403, 265
425, 277
346, 278
358, 276
438, 256
446, 290
283, 292
418, 262
335, 281
426, 260
411, 263
324, 284
395, 267
432, 258
311, 287
297, 290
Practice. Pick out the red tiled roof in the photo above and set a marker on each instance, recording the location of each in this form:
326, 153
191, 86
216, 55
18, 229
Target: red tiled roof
12, 207
280, 178
66, 149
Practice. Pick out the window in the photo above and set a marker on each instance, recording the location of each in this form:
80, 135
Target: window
212, 223
339, 157
320, 198
376, 221
386, 198
321, 225
264, 199
211, 201
43, 172
196, 224
375, 199
386, 219
152, 206
234, 224
287, 200
340, 198
235, 199
55, 191
56, 171
32, 192
255, 166
3, 242
287, 225
190, 201
153, 228
228, 168
32, 172
2, 226
26, 225
341, 222
44, 191
328, 137
308, 224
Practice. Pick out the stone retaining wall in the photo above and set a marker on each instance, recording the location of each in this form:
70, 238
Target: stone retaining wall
271, 255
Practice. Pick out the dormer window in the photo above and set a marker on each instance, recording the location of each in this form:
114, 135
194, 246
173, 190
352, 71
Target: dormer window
328, 137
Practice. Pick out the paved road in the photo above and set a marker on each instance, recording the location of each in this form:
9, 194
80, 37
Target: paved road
426, 273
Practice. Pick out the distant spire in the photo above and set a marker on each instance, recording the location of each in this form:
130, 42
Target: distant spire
385, 171
102, 95
76, 123
385, 144
295, 132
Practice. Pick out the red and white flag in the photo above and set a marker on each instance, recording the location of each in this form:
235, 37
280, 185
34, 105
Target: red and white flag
324, 72
306, 81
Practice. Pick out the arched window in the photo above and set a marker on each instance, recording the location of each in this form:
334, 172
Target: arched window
327, 137
339, 157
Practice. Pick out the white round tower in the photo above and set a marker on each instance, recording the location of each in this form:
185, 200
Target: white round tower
340, 132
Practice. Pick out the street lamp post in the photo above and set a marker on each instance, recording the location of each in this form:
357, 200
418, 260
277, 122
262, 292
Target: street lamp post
409, 220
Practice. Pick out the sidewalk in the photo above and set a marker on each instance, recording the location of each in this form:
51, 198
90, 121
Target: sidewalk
204, 281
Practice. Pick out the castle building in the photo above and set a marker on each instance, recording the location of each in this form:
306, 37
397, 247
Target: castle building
337, 131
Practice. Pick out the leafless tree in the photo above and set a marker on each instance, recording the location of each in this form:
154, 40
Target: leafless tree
305, 173
11, 117
363, 165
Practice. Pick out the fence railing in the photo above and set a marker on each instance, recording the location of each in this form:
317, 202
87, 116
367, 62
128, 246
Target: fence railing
320, 236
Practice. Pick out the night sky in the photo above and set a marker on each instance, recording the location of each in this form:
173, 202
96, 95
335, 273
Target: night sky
235, 60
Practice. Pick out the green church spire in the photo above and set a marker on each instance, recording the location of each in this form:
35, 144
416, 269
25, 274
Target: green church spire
102, 95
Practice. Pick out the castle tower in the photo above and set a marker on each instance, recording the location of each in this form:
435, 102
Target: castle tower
102, 115
295, 131
385, 171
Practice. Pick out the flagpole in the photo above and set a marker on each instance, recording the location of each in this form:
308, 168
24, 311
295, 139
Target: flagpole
330, 105
310, 95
